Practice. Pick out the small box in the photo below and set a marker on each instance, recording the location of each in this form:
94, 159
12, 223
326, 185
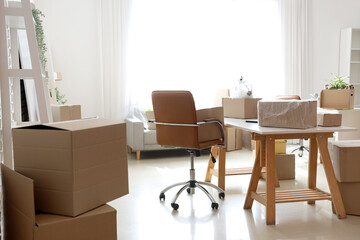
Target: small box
329, 119
288, 113
285, 166
337, 98
346, 161
240, 107
350, 193
233, 139
21, 221
247, 142
280, 146
76, 166
65, 112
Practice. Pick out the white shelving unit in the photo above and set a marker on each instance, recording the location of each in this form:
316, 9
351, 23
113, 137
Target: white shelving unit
349, 61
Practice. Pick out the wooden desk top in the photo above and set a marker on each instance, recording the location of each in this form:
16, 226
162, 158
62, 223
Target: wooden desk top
254, 127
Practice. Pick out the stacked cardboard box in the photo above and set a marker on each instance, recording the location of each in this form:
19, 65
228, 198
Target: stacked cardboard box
233, 139
280, 146
345, 157
285, 166
240, 107
65, 112
76, 167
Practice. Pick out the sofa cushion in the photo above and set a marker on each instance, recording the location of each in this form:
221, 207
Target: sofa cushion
149, 137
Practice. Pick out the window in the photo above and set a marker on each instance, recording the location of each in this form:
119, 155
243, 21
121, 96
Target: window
202, 45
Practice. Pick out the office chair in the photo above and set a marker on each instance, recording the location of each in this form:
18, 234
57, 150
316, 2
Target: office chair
301, 141
178, 124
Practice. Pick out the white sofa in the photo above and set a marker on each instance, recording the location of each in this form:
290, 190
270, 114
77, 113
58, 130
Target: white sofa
140, 138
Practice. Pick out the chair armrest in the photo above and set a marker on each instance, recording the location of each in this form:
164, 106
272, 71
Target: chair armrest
135, 133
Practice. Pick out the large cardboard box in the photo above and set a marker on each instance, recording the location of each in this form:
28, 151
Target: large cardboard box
233, 139
76, 165
337, 98
285, 166
22, 223
240, 107
288, 113
350, 193
247, 142
345, 156
65, 112
329, 119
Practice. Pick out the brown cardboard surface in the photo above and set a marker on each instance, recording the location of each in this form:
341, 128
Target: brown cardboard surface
65, 112
285, 166
329, 119
337, 98
20, 221
345, 158
246, 140
240, 107
350, 193
288, 113
238, 139
230, 138
76, 166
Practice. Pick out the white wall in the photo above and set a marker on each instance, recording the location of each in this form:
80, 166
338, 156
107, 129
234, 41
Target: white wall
327, 18
71, 28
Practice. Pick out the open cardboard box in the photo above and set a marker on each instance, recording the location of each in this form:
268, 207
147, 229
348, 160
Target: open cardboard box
22, 223
76, 166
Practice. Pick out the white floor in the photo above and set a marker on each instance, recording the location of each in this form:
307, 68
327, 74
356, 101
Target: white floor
142, 216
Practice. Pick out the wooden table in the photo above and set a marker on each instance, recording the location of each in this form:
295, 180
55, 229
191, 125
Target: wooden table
265, 157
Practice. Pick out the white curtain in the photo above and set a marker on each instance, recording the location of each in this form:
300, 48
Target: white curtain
200, 45
113, 25
295, 30
203, 45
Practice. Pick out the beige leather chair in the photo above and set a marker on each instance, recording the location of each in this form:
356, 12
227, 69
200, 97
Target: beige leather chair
178, 124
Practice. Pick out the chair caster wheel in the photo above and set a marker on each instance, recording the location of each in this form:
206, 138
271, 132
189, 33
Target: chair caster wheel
221, 195
188, 190
175, 206
300, 154
214, 205
162, 197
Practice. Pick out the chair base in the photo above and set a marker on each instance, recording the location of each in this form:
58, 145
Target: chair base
191, 185
190, 188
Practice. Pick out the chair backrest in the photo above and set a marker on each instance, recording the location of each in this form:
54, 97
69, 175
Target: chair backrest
175, 107
288, 97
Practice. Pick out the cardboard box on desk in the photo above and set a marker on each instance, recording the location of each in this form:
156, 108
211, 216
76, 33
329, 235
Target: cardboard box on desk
288, 113
65, 112
329, 119
21, 222
76, 165
350, 193
345, 158
240, 107
337, 98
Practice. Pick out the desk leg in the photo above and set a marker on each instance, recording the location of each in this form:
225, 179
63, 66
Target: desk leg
211, 165
270, 181
329, 171
312, 171
255, 176
221, 175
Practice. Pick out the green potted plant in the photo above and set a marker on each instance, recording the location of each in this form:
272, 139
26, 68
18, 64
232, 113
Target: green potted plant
338, 94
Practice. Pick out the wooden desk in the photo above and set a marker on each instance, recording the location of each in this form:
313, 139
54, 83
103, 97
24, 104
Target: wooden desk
265, 157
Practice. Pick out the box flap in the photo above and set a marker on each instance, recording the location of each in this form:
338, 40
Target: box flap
347, 143
77, 125
19, 209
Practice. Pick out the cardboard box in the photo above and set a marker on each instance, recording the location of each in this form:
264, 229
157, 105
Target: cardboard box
247, 142
212, 131
285, 166
288, 113
76, 165
346, 161
233, 139
21, 222
280, 146
350, 193
337, 98
65, 112
329, 119
240, 107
